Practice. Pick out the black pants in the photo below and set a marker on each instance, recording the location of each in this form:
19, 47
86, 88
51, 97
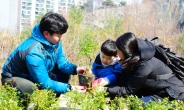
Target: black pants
26, 86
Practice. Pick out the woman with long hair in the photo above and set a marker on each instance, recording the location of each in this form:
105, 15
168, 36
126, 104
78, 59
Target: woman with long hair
141, 71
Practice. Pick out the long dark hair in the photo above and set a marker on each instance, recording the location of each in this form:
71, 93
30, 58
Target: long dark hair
127, 43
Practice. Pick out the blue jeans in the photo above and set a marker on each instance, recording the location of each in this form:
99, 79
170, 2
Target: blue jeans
146, 99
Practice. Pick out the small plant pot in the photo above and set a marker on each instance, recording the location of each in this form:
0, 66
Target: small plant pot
85, 80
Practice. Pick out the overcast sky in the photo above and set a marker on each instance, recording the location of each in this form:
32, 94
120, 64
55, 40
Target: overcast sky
4, 13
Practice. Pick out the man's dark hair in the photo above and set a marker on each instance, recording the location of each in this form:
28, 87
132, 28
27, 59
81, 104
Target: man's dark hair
53, 23
109, 48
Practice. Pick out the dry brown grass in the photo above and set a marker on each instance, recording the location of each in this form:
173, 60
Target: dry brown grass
9, 41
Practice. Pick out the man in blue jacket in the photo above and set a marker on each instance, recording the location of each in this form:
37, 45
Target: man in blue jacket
40, 59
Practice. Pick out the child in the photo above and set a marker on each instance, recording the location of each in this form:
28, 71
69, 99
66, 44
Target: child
106, 65
40, 59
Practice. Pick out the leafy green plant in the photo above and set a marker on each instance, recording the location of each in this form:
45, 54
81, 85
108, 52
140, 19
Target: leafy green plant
44, 100
76, 16
134, 103
114, 26
96, 99
87, 44
118, 103
91, 100
25, 33
9, 98
165, 104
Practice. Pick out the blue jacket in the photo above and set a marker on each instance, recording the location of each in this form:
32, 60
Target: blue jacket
34, 58
108, 72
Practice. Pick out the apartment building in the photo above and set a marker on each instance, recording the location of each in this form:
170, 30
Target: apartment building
9, 15
18, 14
22, 13
31, 9
65, 5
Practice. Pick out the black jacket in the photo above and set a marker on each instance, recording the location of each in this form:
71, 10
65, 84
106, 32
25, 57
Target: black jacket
140, 81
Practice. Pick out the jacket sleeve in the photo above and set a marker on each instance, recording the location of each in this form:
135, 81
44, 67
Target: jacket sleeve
95, 66
112, 76
63, 64
94, 70
135, 82
38, 72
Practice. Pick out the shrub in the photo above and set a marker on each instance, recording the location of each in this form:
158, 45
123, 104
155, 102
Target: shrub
9, 98
87, 44
91, 100
43, 100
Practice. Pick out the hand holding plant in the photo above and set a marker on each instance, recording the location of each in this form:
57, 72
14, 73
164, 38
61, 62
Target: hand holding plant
81, 70
79, 88
100, 82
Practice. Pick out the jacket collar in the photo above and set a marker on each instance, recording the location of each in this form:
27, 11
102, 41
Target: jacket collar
37, 35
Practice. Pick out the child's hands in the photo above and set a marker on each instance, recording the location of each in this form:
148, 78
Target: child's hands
100, 82
96, 82
81, 70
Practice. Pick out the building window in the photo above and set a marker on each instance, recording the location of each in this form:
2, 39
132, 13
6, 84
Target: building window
63, 0
23, 3
28, 8
29, 0
40, 0
70, 1
23, 7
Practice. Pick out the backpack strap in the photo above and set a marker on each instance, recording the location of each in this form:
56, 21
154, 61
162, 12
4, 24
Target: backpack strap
155, 40
156, 79
161, 77
165, 76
